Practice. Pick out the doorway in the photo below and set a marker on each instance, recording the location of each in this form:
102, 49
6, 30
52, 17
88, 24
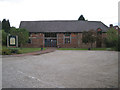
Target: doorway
50, 43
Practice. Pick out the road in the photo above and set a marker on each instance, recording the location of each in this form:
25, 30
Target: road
62, 69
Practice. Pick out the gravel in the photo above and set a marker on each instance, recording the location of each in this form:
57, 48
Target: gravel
62, 69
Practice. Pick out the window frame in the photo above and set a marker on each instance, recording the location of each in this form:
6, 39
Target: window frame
67, 36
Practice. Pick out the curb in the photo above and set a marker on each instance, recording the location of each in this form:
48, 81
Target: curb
32, 53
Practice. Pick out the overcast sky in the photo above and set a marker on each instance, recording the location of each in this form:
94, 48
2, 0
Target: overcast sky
32, 10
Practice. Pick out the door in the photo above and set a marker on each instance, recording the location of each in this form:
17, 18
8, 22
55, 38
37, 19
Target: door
50, 42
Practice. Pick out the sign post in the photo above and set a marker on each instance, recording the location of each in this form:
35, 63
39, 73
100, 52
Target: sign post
12, 41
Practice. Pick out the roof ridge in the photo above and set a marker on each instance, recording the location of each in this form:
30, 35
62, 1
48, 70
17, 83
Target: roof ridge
61, 25
61, 21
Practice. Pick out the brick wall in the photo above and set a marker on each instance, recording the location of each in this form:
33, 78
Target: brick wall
76, 41
83, 45
37, 40
61, 42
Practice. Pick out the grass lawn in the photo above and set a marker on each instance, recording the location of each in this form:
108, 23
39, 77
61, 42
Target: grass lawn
83, 48
25, 50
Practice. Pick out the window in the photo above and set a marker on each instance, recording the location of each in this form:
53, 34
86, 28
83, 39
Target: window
29, 41
67, 38
67, 35
99, 31
36, 33
50, 35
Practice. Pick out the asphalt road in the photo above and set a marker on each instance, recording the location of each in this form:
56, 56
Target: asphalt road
62, 69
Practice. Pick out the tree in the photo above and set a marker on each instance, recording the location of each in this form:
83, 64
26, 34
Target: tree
99, 38
112, 38
81, 18
85, 37
23, 35
92, 37
4, 38
6, 25
89, 37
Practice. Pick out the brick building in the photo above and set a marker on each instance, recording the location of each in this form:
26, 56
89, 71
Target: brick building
61, 33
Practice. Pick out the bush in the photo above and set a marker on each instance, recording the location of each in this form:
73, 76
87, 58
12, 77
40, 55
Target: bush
110, 44
19, 52
15, 50
6, 51
113, 39
9, 51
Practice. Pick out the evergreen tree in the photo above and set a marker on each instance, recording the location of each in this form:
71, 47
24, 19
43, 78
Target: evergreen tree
6, 25
3, 23
4, 37
81, 18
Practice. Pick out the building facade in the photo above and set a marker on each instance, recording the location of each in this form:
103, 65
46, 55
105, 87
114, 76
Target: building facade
65, 34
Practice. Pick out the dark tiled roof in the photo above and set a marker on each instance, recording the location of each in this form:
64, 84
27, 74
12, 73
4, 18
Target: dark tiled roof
62, 26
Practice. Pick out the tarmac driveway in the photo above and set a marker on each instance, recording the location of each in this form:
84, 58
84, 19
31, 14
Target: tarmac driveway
62, 69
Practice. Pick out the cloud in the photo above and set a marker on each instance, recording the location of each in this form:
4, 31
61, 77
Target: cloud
31, 10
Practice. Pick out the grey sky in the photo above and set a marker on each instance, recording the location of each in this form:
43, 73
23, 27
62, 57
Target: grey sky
31, 10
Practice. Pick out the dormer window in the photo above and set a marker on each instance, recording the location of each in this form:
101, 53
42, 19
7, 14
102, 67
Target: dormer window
99, 31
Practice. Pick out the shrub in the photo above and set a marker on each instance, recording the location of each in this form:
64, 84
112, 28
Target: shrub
6, 51
9, 51
113, 39
15, 50
19, 52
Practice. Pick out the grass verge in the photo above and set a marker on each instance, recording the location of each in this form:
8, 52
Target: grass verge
27, 50
84, 48
20, 50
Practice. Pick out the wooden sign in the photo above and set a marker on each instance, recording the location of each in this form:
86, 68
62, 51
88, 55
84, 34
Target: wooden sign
12, 41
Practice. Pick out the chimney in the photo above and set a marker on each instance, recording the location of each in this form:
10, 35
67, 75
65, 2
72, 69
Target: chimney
111, 25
